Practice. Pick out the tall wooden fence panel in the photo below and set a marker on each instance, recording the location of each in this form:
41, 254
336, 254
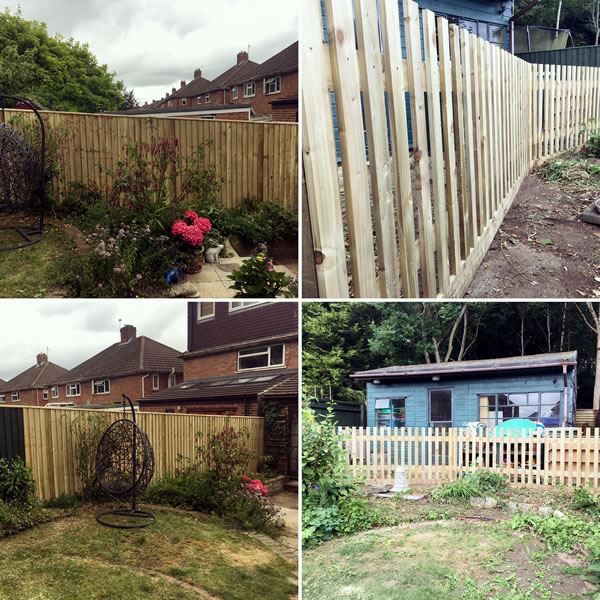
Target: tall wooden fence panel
50, 441
567, 456
436, 130
252, 159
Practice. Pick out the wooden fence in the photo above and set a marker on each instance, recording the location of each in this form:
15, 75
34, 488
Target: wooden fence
251, 158
419, 223
567, 456
51, 441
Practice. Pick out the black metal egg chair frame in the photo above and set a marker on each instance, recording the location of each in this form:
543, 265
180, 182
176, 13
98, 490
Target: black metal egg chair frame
124, 467
23, 180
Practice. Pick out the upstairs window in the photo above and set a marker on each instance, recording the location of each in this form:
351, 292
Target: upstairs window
199, 100
206, 310
45, 395
207, 99
234, 93
73, 389
272, 85
249, 89
170, 103
55, 391
184, 101
101, 386
155, 381
15, 397
172, 380
261, 358
233, 306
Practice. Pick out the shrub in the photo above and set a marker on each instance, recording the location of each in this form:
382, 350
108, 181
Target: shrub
257, 278
17, 517
64, 501
470, 485
585, 500
16, 482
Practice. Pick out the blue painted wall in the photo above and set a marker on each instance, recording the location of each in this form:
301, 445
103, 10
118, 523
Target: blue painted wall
465, 394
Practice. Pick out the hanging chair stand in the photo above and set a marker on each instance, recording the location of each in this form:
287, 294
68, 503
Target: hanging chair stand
124, 468
31, 235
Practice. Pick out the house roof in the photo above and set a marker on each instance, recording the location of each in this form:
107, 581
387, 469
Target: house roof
193, 108
138, 355
34, 377
243, 384
194, 88
285, 61
534, 361
284, 388
246, 71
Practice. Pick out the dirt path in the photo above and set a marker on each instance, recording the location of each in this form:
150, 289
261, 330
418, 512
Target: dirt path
543, 249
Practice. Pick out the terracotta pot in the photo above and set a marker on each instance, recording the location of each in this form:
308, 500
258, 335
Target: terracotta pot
194, 263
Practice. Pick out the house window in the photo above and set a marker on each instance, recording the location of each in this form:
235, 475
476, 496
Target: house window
170, 103
199, 100
234, 93
172, 379
249, 89
206, 310
541, 407
261, 358
440, 408
272, 85
207, 99
73, 389
55, 391
15, 396
184, 101
101, 386
155, 381
2, 398
390, 412
233, 306
45, 395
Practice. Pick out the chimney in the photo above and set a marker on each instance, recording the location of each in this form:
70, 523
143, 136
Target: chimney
183, 82
197, 73
42, 359
242, 57
128, 332
173, 90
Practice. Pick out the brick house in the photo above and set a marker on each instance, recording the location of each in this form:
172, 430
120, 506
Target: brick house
245, 90
32, 387
242, 357
135, 366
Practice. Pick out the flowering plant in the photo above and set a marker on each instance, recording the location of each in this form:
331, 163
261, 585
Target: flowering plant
191, 229
257, 278
255, 486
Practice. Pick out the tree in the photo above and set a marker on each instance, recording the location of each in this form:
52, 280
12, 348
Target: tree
596, 19
56, 73
129, 101
593, 322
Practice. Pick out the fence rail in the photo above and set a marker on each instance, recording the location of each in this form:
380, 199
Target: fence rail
251, 158
419, 223
568, 456
50, 441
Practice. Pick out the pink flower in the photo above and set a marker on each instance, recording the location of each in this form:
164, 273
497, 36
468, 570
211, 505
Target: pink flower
190, 214
270, 266
191, 229
256, 486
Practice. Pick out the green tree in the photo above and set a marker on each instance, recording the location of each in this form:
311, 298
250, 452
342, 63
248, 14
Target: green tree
56, 73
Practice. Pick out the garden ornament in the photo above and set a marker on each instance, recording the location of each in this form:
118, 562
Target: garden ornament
212, 254
124, 467
22, 175
261, 248
400, 481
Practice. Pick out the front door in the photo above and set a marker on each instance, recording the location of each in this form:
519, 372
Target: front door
440, 408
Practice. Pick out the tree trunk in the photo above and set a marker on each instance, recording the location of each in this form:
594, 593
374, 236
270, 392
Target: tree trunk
596, 399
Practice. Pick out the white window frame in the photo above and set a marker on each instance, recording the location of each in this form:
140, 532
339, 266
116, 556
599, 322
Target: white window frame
234, 92
15, 397
69, 388
276, 80
106, 387
243, 305
184, 102
54, 391
206, 98
199, 100
253, 85
200, 317
2, 398
169, 103
45, 394
172, 380
155, 378
260, 351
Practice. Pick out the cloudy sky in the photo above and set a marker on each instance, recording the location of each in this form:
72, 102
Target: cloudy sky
75, 330
152, 45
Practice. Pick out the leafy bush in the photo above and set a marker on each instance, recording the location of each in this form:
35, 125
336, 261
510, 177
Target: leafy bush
471, 485
585, 500
579, 173
16, 482
257, 278
592, 144
332, 502
64, 501
17, 517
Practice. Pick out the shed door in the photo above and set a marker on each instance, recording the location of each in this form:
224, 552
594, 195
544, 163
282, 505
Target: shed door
440, 408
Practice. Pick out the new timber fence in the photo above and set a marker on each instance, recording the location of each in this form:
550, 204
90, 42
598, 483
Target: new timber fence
252, 159
50, 440
430, 456
417, 222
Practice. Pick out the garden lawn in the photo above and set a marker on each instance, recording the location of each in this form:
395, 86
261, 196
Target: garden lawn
182, 555
454, 559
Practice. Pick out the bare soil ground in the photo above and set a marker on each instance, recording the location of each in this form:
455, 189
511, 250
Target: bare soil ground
543, 249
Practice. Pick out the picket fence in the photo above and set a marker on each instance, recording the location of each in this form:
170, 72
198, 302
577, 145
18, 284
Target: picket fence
252, 159
418, 224
560, 456
50, 436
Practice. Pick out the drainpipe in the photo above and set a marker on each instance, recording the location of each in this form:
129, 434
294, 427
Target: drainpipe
143, 389
512, 20
566, 400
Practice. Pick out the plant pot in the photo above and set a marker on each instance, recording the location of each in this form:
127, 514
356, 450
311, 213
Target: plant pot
194, 262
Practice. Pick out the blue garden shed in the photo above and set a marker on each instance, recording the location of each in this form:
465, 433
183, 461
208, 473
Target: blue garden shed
540, 387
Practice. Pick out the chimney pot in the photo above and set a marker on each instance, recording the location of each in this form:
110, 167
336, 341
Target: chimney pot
41, 359
183, 82
197, 73
128, 332
173, 90
242, 57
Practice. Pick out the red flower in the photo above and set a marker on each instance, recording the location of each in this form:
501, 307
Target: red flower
256, 486
191, 228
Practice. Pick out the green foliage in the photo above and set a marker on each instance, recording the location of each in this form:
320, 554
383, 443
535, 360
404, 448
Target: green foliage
471, 485
16, 517
65, 502
59, 74
585, 500
577, 173
277, 445
257, 278
16, 482
332, 503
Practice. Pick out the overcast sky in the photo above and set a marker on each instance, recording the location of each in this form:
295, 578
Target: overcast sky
75, 330
152, 45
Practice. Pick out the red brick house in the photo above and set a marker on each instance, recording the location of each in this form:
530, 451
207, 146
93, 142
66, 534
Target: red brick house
246, 90
135, 366
32, 387
241, 357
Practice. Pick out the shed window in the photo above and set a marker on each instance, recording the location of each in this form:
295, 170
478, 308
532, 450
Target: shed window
440, 408
535, 406
390, 412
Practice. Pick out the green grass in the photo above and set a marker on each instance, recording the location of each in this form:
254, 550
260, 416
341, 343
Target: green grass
457, 561
181, 556
31, 272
